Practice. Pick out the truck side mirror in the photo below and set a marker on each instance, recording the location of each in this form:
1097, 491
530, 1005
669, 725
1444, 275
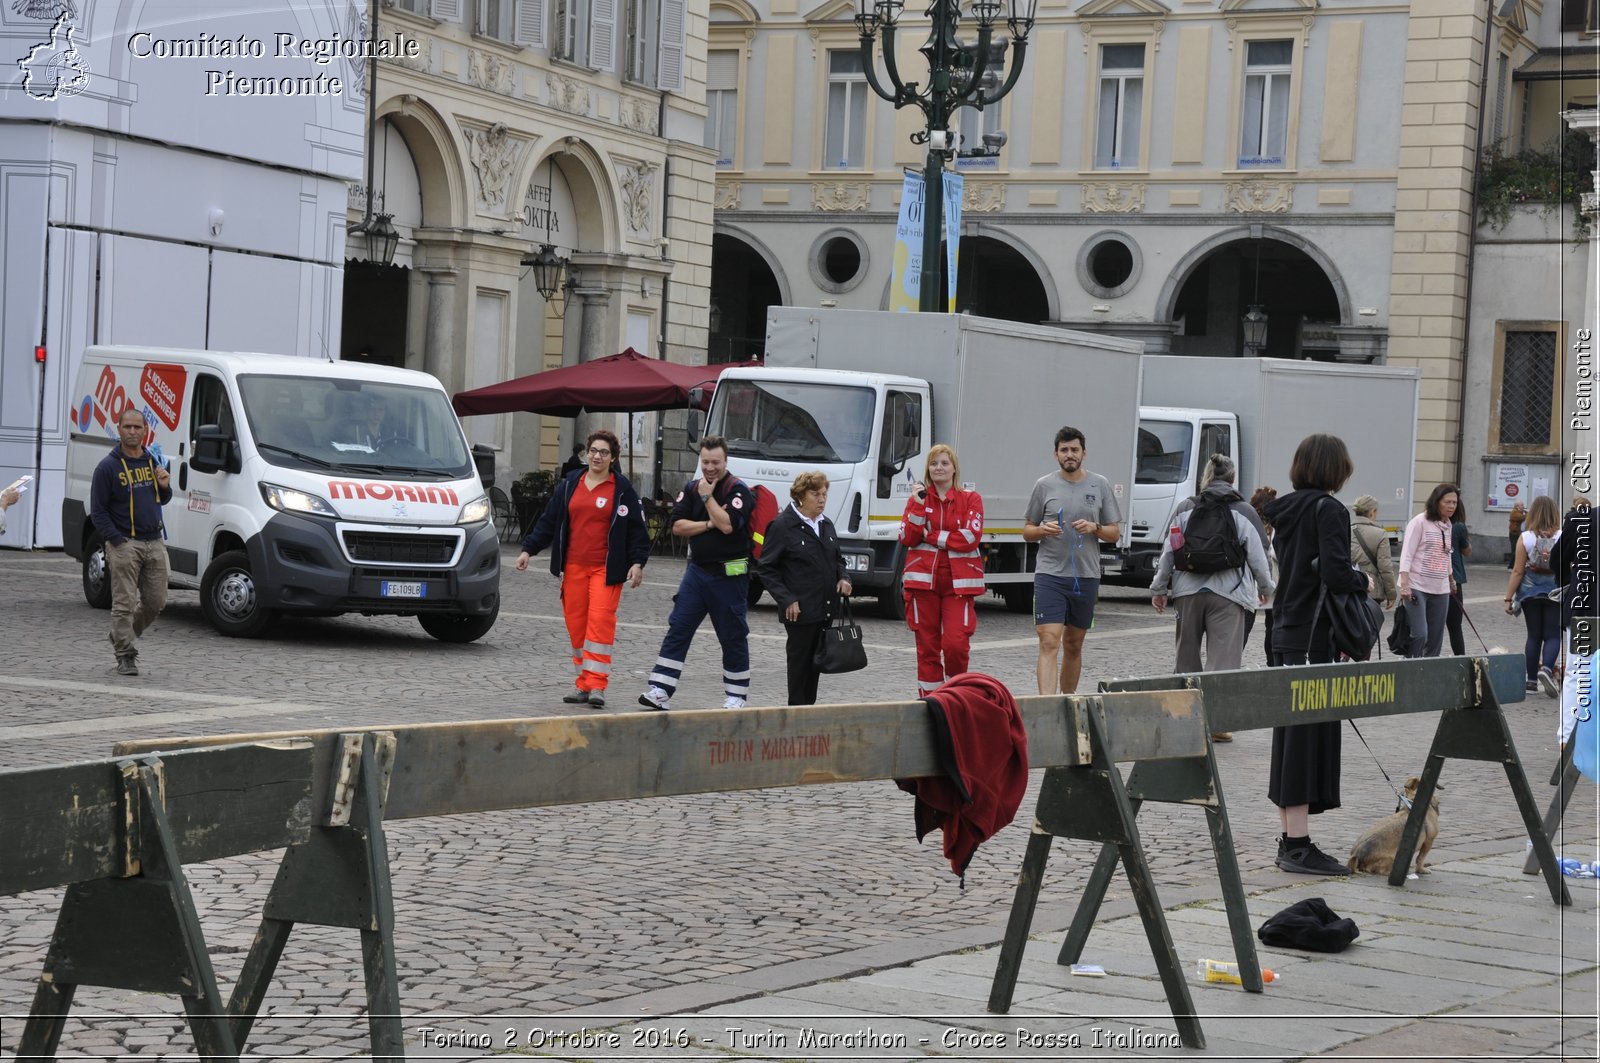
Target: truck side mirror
697, 402
215, 450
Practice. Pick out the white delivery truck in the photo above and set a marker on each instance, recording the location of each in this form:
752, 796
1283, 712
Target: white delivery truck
299, 486
861, 396
1257, 410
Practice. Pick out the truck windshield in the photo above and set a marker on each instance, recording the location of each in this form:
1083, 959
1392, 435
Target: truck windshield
792, 421
1164, 452
380, 428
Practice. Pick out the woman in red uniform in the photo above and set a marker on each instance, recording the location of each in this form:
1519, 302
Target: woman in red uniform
941, 530
595, 524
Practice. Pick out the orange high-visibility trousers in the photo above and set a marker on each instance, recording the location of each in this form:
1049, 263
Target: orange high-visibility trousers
590, 608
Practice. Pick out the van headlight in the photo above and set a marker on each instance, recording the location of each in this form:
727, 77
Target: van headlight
475, 512
291, 500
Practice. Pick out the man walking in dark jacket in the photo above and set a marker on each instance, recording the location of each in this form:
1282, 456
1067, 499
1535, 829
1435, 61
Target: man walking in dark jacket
126, 494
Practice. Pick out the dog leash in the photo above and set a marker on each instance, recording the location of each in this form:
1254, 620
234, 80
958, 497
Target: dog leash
1462, 602
1398, 795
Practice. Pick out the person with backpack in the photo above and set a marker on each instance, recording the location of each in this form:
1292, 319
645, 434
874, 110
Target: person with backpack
1216, 567
803, 570
1531, 590
713, 513
1425, 580
595, 524
941, 529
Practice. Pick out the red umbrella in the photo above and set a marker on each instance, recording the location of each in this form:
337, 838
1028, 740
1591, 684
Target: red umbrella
623, 383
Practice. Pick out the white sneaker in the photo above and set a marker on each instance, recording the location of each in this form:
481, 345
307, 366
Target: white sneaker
656, 699
731, 702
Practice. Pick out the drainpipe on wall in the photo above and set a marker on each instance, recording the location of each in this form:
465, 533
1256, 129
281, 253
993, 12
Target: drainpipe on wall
666, 280
1472, 241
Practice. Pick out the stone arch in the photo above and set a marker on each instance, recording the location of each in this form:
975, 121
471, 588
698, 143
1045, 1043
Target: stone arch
1052, 294
785, 290
1181, 272
440, 169
595, 196
741, 10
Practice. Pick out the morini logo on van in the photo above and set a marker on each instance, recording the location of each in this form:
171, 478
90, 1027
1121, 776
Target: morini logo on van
382, 492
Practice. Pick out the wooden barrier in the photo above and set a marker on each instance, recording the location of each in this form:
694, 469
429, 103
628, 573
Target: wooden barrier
325, 796
1467, 692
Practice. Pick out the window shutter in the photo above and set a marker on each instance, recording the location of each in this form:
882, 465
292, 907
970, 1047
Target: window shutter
529, 28
445, 10
669, 57
603, 35
722, 71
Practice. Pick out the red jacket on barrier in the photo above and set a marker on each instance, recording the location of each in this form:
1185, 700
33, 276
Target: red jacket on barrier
983, 749
953, 524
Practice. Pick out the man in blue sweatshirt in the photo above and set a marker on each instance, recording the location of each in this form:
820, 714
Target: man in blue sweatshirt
125, 499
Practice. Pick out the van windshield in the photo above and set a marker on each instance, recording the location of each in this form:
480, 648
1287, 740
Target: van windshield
792, 421
376, 427
1164, 452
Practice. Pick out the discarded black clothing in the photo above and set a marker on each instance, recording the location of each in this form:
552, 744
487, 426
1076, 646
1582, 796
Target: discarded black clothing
1309, 924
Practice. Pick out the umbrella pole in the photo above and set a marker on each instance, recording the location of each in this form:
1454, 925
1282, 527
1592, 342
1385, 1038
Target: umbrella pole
630, 444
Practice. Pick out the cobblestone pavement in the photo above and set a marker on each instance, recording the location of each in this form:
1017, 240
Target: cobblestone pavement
650, 907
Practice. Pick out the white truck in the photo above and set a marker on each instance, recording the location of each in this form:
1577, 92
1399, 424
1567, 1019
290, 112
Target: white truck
298, 487
1257, 410
862, 395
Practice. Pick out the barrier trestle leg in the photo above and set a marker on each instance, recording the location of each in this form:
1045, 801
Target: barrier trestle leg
1479, 733
338, 877
1090, 803
139, 932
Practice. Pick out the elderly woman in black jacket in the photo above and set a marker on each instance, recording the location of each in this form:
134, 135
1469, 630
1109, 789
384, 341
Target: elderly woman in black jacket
802, 569
1312, 537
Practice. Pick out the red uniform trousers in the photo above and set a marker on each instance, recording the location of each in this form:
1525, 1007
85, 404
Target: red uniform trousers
942, 622
590, 608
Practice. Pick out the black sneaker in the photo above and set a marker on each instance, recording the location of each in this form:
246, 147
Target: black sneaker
1308, 860
597, 700
1547, 683
577, 697
126, 665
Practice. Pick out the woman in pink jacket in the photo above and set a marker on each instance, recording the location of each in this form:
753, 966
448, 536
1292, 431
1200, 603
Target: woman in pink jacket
1425, 580
941, 530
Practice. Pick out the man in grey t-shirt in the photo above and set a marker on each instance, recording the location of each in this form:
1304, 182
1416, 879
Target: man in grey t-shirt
1069, 515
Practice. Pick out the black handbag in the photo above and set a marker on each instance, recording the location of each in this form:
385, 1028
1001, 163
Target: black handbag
839, 648
1354, 620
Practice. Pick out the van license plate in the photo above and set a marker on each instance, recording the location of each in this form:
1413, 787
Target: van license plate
405, 590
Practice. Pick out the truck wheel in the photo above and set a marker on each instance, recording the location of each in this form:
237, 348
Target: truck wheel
892, 600
755, 590
96, 573
228, 597
458, 627
1017, 596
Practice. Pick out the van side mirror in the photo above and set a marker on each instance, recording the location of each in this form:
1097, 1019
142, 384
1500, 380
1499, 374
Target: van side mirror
215, 450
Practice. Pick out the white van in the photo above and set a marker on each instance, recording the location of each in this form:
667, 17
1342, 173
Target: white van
299, 486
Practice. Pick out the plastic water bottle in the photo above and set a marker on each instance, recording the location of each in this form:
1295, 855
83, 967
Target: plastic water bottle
1223, 971
1175, 537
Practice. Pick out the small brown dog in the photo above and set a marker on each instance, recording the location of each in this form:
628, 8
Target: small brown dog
1374, 851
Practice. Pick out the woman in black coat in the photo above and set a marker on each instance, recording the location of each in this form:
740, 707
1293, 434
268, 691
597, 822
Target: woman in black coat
802, 569
1312, 538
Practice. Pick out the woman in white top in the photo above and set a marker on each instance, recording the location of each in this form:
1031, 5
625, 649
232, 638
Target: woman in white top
1425, 580
1530, 587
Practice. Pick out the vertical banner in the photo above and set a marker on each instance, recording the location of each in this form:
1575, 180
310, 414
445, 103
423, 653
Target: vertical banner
953, 185
905, 288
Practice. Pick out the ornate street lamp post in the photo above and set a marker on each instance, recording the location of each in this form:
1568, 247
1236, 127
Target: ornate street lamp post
955, 80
